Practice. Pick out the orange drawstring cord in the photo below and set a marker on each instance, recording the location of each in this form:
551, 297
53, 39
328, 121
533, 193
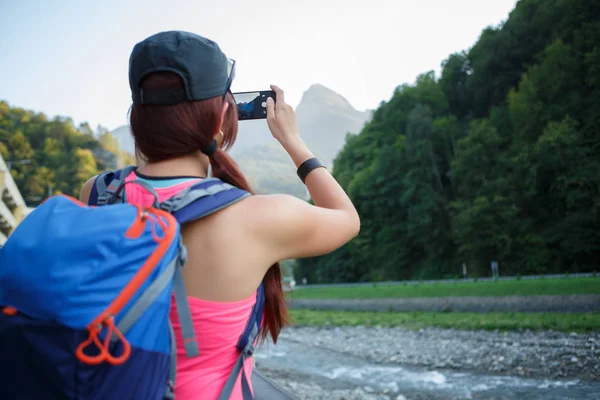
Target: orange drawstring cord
106, 319
104, 354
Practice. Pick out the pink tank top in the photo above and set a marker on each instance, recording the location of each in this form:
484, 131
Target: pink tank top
218, 326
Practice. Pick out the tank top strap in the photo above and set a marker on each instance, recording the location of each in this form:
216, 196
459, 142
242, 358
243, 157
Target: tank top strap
165, 187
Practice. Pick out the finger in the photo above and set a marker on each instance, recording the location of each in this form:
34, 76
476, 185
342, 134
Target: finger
270, 108
280, 98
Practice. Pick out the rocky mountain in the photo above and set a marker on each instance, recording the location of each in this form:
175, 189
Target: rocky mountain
324, 118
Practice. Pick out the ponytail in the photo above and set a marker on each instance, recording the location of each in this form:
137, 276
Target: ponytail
224, 168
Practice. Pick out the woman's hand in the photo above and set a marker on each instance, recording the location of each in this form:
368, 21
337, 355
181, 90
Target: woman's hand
281, 119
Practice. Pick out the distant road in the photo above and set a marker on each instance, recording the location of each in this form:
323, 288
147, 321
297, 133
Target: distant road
417, 282
545, 303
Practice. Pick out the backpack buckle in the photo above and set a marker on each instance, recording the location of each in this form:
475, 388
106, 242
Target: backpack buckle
249, 350
167, 206
182, 253
170, 394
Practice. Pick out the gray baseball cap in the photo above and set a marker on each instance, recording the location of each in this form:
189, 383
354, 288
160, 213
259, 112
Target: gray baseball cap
205, 70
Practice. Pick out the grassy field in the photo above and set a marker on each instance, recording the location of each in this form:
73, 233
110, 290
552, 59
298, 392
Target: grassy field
413, 320
498, 288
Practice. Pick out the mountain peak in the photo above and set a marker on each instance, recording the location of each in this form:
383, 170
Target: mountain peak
320, 88
318, 96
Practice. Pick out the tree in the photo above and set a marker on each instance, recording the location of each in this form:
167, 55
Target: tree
61, 157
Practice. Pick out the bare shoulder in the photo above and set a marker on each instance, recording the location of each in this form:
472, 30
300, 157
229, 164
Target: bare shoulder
260, 212
86, 189
273, 203
291, 227
274, 211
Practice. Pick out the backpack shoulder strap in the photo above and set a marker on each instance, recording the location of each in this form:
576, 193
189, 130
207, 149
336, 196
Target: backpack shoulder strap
248, 337
246, 348
99, 187
106, 186
202, 199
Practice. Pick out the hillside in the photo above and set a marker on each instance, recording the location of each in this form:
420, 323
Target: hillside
60, 156
497, 159
324, 118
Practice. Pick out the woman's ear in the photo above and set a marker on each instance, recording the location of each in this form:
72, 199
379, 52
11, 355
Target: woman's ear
222, 118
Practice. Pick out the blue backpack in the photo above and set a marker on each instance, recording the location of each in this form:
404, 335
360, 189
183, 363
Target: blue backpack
85, 294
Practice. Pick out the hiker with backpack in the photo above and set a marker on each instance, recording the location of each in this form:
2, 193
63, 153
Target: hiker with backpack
161, 279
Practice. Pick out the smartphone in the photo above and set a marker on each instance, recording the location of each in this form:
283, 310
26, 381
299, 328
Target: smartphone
252, 105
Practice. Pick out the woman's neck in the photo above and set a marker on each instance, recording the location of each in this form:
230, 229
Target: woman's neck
192, 165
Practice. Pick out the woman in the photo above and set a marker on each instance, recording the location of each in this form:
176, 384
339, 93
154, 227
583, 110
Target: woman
182, 120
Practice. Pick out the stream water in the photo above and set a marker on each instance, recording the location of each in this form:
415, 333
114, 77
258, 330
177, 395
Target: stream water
292, 357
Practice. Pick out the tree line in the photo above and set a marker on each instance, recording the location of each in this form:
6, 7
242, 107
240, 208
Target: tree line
497, 159
53, 156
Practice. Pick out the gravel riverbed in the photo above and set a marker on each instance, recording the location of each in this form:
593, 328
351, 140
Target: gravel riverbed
548, 355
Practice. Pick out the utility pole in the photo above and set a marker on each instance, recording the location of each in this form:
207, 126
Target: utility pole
494, 268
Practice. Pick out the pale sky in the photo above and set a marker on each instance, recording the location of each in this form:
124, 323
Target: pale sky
70, 58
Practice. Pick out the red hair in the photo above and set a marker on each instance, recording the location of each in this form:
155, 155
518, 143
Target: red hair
165, 132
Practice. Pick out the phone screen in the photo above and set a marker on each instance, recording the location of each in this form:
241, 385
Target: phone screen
252, 105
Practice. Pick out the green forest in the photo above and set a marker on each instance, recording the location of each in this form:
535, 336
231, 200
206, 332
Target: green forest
54, 156
496, 159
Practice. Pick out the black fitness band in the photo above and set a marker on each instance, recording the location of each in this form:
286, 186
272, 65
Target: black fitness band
308, 166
